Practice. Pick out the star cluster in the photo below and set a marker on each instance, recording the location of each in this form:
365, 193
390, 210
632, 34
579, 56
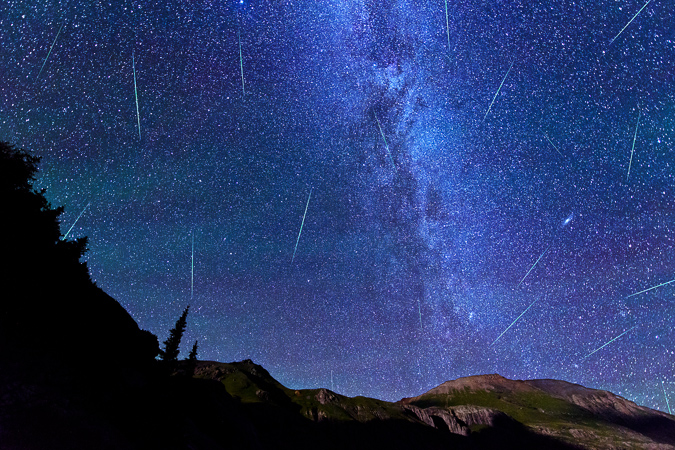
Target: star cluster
491, 181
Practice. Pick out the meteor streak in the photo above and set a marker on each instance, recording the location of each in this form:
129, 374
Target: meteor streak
512, 323
301, 225
192, 270
78, 218
500, 88
633, 148
605, 345
241, 64
49, 53
649, 289
447, 23
552, 145
666, 396
636, 14
386, 146
138, 114
535, 263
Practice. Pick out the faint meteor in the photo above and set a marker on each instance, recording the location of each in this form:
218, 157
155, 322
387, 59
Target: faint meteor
606, 344
500, 88
666, 396
49, 53
301, 225
78, 218
138, 114
553, 145
629, 22
386, 146
649, 289
192, 270
447, 23
513, 323
419, 310
241, 64
633, 148
533, 265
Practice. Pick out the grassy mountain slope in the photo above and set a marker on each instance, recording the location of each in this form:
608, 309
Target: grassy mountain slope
477, 412
574, 414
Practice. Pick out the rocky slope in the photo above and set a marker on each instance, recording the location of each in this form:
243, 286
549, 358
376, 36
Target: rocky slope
585, 417
487, 411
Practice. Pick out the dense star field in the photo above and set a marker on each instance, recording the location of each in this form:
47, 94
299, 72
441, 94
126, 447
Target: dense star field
368, 196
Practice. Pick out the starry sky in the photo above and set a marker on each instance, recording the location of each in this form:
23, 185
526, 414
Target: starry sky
373, 197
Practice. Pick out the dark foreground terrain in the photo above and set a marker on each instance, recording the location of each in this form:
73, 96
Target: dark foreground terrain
239, 405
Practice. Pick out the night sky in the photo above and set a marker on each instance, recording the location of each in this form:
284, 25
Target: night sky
472, 166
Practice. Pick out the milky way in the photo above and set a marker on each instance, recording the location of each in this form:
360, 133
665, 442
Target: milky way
446, 146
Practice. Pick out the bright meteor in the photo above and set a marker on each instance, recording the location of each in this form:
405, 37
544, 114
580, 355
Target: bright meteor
138, 114
649, 289
49, 53
241, 64
632, 150
513, 323
301, 225
500, 88
666, 396
447, 23
629, 22
533, 265
73, 225
605, 345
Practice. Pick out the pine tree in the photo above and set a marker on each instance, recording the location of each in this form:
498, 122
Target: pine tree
193, 352
170, 352
192, 360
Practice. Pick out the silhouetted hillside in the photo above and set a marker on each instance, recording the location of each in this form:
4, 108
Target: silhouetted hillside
49, 303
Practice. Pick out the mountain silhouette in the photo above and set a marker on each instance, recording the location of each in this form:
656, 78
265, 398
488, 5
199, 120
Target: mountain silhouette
76, 372
49, 304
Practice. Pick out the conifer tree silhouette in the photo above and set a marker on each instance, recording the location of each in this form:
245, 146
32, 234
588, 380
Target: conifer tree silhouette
170, 351
193, 352
192, 360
